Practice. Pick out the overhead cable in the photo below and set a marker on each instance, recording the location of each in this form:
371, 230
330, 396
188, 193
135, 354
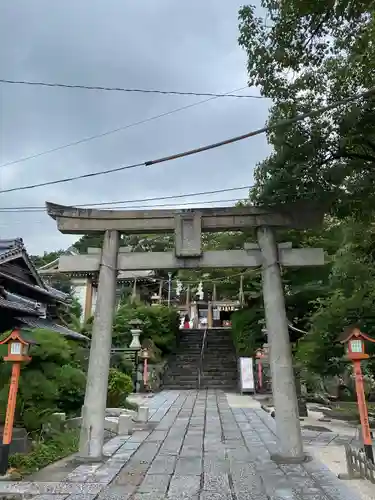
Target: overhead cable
110, 132
156, 198
131, 207
122, 89
267, 128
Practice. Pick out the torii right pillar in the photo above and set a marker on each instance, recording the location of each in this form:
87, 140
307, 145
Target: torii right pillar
280, 355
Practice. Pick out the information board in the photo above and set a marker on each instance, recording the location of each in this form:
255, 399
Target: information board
246, 375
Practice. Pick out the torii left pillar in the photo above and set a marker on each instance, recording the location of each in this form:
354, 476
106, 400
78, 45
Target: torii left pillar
93, 412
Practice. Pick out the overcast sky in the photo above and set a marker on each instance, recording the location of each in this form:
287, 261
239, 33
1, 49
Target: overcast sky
155, 44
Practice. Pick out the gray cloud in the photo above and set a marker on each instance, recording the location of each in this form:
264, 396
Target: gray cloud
155, 44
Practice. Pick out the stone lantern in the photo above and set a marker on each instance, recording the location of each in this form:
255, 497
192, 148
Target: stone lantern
136, 331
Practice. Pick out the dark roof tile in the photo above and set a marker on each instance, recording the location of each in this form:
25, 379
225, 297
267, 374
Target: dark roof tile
46, 324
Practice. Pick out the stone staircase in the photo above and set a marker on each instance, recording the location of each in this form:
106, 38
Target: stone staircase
183, 367
219, 362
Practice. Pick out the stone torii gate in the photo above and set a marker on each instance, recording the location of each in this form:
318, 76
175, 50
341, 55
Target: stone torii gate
187, 226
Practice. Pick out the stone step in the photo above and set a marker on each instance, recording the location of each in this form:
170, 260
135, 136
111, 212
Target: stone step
220, 381
180, 362
222, 372
176, 387
175, 369
225, 388
220, 366
219, 363
176, 373
188, 354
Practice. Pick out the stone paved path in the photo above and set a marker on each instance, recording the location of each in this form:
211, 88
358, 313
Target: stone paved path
195, 447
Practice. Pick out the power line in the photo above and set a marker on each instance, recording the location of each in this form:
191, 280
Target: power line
125, 207
122, 89
110, 132
157, 198
202, 149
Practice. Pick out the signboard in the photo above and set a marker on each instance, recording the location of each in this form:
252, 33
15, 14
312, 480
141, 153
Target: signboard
246, 375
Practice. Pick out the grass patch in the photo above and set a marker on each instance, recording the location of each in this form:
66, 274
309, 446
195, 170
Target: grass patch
44, 452
348, 410
350, 407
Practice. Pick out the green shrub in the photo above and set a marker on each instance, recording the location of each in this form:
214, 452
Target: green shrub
160, 324
71, 383
123, 364
52, 381
45, 452
120, 386
247, 331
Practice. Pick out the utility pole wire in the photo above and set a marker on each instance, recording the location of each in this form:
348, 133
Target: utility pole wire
112, 131
267, 128
281, 123
196, 204
122, 89
141, 200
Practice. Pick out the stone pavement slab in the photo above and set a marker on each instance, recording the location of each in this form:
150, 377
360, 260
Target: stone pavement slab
198, 448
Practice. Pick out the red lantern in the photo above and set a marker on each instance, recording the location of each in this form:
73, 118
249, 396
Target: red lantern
354, 339
18, 347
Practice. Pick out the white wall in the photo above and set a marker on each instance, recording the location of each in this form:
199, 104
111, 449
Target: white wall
79, 292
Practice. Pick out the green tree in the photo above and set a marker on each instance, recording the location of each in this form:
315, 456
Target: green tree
349, 301
51, 381
159, 324
305, 55
46, 258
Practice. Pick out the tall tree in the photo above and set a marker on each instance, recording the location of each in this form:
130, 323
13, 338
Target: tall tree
304, 55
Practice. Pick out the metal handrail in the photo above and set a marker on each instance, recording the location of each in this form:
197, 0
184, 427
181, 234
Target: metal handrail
200, 370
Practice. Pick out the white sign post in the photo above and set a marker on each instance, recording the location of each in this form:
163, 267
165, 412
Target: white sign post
246, 375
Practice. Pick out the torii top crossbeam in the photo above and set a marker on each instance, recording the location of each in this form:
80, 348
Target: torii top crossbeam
72, 220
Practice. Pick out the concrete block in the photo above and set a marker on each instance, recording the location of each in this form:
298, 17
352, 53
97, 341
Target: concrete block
142, 415
73, 423
125, 424
59, 416
20, 442
114, 412
111, 424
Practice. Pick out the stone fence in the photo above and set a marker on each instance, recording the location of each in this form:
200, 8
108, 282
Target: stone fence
358, 465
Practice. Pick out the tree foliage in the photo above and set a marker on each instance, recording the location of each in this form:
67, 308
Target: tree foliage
349, 301
52, 381
247, 326
307, 55
159, 324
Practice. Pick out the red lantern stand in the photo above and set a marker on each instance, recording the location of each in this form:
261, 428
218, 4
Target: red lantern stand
17, 353
145, 355
260, 356
354, 340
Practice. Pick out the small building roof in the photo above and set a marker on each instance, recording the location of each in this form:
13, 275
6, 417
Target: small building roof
14, 249
17, 306
46, 324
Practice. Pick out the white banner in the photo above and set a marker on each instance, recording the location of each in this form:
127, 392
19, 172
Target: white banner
247, 375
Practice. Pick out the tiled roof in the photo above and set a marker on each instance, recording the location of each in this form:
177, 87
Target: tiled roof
46, 324
122, 275
15, 247
17, 306
10, 247
57, 293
